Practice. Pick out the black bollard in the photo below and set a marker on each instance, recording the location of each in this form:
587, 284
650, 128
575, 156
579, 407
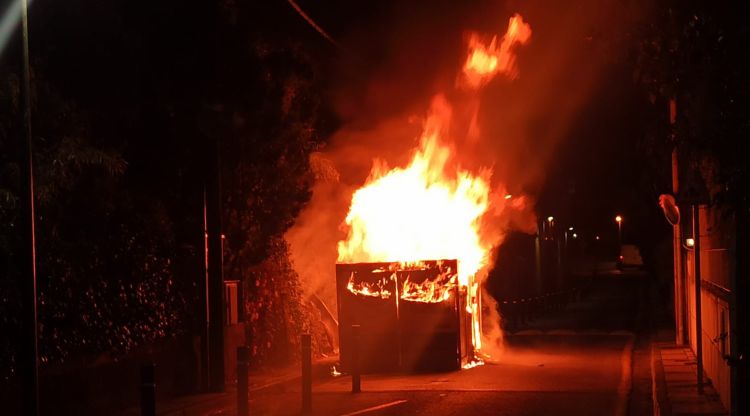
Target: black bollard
243, 356
306, 373
148, 390
356, 386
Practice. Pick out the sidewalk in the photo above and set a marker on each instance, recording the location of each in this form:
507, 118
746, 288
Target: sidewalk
675, 383
224, 403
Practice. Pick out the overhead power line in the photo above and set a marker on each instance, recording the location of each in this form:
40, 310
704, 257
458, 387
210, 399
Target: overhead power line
312, 23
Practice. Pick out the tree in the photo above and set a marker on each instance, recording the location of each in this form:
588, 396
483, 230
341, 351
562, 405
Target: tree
270, 118
93, 246
119, 134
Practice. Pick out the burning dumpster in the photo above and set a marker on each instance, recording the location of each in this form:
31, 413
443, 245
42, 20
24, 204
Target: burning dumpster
415, 309
412, 316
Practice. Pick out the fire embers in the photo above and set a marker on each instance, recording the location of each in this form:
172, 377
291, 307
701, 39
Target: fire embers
432, 283
486, 59
412, 316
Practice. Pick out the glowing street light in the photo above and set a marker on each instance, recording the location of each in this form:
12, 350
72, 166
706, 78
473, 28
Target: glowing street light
690, 242
618, 219
569, 230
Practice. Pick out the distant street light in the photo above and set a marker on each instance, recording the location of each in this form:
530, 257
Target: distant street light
690, 242
550, 223
618, 219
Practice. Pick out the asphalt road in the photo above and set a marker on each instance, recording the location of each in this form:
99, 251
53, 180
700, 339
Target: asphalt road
578, 361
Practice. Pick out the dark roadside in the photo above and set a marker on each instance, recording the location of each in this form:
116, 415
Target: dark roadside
224, 403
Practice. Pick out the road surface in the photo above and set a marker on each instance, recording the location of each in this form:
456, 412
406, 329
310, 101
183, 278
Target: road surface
578, 361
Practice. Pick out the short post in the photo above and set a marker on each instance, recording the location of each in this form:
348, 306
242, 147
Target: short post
306, 373
243, 358
356, 386
148, 390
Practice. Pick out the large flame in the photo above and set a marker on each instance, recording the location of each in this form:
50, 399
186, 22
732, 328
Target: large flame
421, 211
485, 60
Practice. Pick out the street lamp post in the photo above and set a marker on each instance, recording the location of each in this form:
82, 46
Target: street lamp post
618, 219
550, 223
29, 357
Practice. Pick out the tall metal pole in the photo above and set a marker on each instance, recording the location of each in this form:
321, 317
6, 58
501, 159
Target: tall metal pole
215, 269
680, 292
698, 317
205, 312
29, 356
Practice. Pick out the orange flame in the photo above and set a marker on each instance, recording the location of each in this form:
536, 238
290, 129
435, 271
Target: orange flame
421, 211
431, 290
486, 60
376, 290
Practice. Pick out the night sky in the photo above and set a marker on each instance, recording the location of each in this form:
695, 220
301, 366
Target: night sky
392, 56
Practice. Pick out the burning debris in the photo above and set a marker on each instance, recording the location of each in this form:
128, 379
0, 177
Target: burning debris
429, 290
487, 60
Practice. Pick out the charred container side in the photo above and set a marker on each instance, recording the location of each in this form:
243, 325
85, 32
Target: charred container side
411, 317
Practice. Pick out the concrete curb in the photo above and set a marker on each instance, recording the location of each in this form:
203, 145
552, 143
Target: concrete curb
680, 395
659, 384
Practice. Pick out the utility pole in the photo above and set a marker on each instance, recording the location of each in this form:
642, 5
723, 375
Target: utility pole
679, 283
205, 311
698, 314
29, 354
618, 220
538, 285
215, 268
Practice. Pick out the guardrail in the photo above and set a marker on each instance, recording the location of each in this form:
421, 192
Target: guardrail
519, 312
